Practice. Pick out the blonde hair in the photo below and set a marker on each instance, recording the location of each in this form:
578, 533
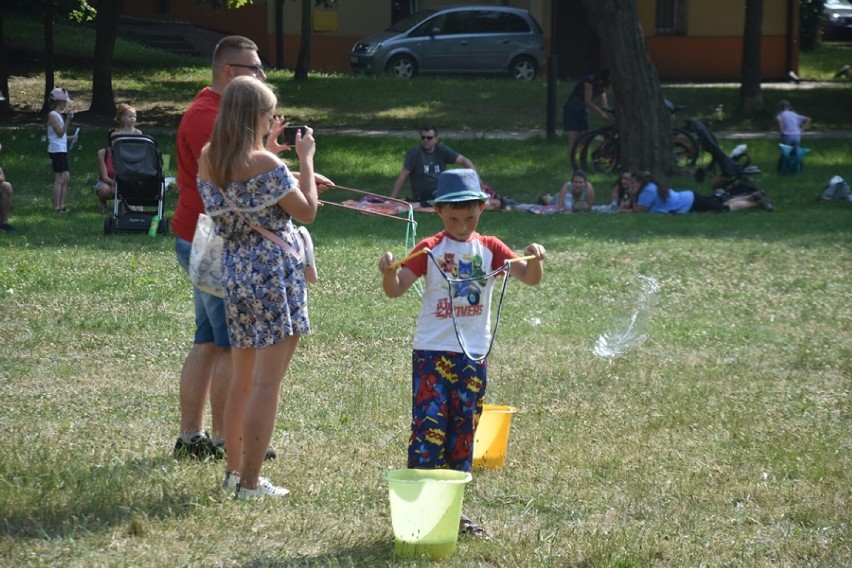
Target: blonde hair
235, 134
120, 109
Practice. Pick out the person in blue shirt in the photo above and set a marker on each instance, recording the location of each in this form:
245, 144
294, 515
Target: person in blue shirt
650, 194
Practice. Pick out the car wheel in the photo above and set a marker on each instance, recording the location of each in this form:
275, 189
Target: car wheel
402, 67
523, 69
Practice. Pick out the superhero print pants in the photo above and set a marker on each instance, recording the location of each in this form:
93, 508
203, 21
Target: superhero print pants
447, 394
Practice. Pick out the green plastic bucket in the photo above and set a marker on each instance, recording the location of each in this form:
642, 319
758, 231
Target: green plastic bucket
491, 439
425, 507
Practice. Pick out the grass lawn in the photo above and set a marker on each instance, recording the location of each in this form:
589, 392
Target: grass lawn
721, 440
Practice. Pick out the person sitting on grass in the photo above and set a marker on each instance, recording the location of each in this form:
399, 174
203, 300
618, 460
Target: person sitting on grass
448, 385
125, 117
578, 194
649, 194
424, 163
5, 202
620, 193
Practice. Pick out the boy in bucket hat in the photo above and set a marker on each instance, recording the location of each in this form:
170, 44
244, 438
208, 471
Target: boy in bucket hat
448, 380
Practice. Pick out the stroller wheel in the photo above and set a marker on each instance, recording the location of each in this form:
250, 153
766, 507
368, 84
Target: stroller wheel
108, 225
163, 227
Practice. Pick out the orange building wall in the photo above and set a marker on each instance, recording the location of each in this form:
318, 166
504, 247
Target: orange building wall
700, 56
715, 58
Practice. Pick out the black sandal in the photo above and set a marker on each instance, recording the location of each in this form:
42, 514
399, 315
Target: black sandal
468, 528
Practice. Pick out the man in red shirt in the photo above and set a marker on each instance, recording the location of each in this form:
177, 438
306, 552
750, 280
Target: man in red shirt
207, 368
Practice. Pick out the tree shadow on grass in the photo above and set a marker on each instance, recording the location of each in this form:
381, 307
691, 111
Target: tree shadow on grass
66, 498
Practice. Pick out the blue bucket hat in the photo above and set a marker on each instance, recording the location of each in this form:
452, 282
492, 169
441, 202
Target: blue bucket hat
460, 184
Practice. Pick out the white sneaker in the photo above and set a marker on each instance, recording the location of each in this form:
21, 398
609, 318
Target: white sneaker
231, 481
264, 489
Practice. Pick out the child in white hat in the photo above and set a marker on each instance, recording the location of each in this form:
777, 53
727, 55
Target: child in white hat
57, 145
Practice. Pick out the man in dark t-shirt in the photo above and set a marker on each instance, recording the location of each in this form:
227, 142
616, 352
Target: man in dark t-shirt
424, 163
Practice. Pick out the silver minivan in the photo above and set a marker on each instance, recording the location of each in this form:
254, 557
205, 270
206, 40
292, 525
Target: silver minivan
458, 39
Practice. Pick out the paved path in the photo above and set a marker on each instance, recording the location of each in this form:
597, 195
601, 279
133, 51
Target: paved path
528, 134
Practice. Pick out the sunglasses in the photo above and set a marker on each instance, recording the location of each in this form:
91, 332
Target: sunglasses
426, 137
255, 69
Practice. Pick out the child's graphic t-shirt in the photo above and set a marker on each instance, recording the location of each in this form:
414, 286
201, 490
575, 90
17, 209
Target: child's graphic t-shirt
471, 299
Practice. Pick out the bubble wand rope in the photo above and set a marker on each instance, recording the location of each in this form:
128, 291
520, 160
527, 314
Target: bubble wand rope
411, 224
367, 212
492, 274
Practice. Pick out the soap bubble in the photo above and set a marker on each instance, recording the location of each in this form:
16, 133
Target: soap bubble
622, 336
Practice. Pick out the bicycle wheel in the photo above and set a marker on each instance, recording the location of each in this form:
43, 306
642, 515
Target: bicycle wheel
577, 151
598, 151
686, 148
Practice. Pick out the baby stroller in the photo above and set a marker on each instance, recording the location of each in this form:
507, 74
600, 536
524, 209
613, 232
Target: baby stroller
140, 188
735, 171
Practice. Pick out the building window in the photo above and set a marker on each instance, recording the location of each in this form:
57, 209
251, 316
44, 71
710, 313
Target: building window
402, 9
671, 17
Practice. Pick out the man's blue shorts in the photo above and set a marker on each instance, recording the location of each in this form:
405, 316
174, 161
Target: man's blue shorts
211, 324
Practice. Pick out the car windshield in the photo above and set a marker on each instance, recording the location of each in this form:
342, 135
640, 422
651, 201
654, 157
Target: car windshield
409, 22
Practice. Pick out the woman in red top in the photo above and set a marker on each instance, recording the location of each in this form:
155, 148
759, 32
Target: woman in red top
125, 117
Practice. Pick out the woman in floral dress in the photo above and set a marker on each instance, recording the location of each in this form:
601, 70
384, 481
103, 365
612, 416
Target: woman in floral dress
243, 185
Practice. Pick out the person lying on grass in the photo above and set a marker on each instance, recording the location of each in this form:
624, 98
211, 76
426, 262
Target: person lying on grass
649, 194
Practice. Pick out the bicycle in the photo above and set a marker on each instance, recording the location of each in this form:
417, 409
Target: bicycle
598, 150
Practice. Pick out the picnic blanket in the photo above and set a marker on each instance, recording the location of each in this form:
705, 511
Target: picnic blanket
373, 205
537, 209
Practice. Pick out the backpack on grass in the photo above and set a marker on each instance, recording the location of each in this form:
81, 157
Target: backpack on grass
837, 188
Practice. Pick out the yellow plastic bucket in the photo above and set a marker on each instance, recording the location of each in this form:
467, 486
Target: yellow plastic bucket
492, 436
425, 507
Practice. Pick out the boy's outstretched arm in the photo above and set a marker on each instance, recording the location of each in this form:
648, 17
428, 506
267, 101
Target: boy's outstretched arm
396, 280
530, 271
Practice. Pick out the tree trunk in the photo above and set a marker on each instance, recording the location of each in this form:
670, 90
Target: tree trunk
5, 103
279, 34
751, 97
304, 61
644, 122
49, 58
106, 25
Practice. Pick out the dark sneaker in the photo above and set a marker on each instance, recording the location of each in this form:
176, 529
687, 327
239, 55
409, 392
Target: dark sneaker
8, 229
200, 447
271, 454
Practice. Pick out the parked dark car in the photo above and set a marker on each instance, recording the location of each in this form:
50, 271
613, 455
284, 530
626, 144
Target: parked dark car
458, 39
838, 19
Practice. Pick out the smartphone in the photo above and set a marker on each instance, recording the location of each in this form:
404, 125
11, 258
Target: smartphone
290, 134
